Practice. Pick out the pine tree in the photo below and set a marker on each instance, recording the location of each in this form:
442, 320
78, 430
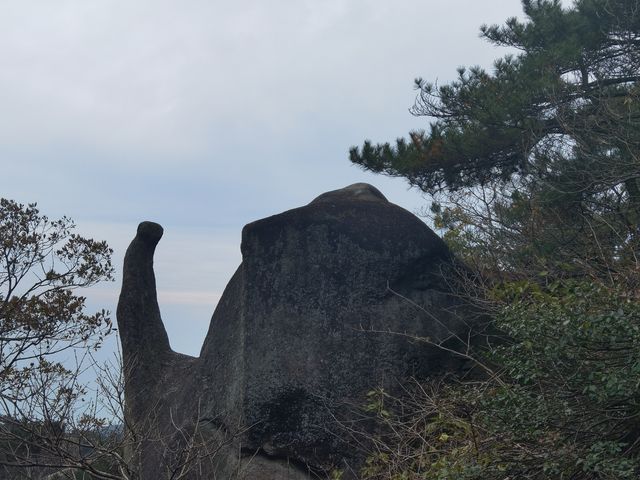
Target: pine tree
576, 76
554, 127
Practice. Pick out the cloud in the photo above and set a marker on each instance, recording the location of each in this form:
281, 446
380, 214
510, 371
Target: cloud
168, 81
206, 115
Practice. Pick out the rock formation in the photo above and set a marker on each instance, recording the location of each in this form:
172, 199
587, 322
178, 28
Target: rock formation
321, 310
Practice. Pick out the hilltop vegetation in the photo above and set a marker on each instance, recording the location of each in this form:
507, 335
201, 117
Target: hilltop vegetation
533, 169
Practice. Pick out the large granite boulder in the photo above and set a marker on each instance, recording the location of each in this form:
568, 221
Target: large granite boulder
326, 305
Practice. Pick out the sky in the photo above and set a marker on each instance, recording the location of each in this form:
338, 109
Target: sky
206, 115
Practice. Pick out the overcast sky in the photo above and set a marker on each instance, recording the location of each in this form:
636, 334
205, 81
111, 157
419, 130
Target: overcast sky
207, 115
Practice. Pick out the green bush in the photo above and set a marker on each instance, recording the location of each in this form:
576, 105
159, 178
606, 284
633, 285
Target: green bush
565, 404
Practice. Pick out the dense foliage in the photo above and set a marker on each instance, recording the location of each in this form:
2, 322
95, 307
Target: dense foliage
534, 172
566, 403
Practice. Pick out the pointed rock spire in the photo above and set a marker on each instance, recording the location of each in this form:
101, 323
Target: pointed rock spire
142, 332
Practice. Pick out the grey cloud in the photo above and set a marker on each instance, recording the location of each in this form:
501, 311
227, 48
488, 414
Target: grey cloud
203, 114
